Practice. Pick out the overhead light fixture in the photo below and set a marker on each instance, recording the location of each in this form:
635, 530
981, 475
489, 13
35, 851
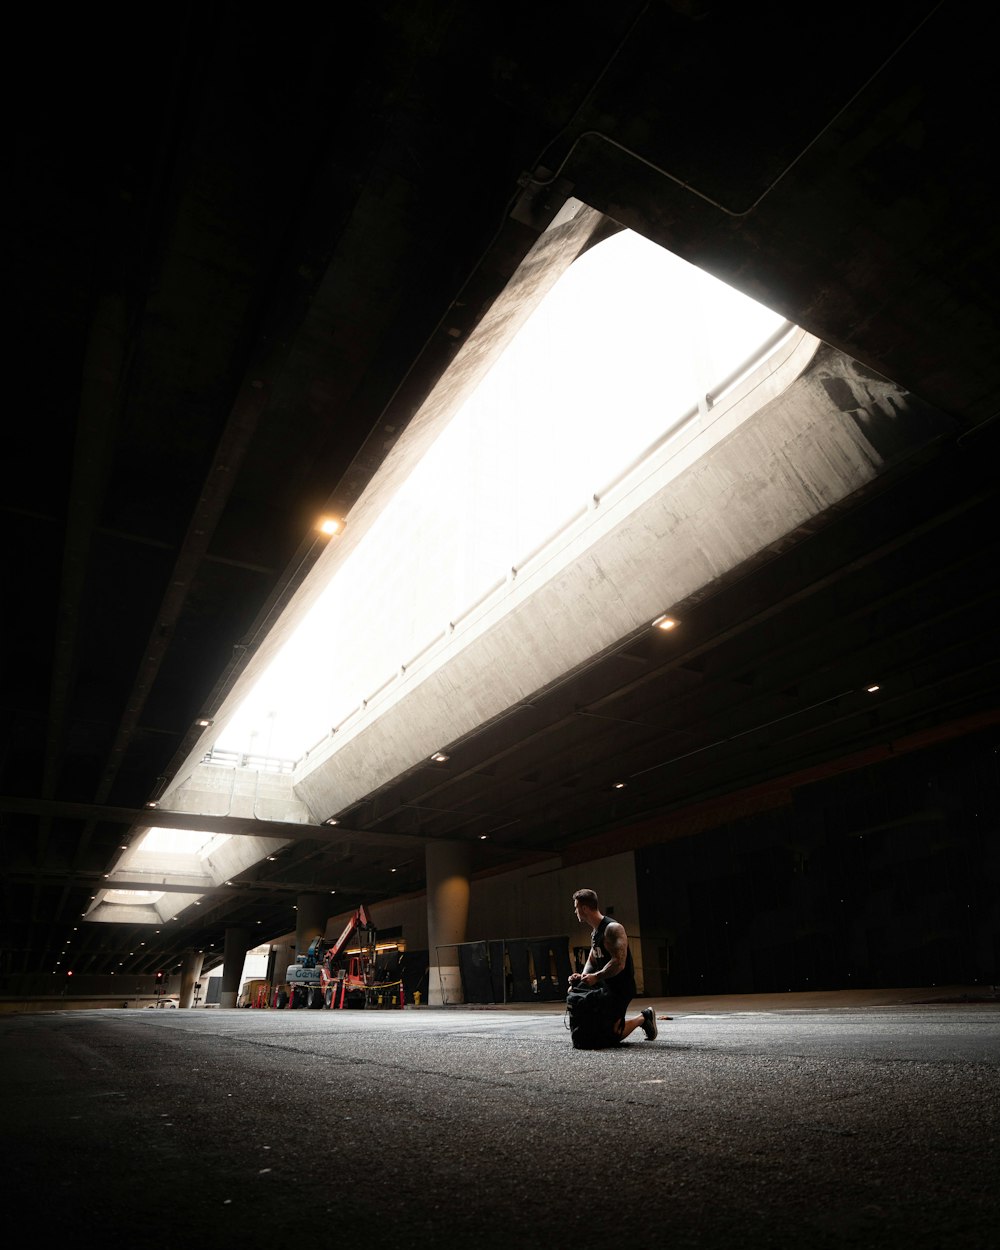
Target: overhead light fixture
619, 785
330, 525
204, 722
439, 757
872, 689
483, 837
666, 622
152, 803
332, 820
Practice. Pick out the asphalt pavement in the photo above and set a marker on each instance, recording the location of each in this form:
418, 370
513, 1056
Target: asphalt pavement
752, 1122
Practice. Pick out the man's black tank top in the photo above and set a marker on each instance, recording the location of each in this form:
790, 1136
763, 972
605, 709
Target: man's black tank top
622, 984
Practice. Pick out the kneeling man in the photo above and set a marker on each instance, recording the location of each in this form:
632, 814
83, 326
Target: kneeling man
610, 963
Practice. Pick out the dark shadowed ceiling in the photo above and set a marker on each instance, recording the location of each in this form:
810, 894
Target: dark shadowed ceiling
247, 248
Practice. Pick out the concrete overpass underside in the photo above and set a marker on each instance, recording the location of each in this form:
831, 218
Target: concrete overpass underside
241, 308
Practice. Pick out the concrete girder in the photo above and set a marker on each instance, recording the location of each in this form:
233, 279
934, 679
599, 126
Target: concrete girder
806, 430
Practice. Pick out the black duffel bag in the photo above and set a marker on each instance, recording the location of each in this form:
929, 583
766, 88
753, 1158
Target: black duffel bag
590, 1016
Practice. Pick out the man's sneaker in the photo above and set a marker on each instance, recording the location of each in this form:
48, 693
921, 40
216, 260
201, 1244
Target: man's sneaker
649, 1023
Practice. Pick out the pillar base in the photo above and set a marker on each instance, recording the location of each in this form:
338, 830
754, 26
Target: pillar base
444, 986
228, 998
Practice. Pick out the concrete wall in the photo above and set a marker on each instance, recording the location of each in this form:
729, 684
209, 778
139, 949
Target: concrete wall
537, 902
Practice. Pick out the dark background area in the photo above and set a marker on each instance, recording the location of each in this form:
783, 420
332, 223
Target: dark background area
886, 876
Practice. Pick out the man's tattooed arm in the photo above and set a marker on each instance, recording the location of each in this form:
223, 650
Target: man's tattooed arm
616, 944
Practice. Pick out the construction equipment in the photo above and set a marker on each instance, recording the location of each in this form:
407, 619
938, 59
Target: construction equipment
254, 993
326, 976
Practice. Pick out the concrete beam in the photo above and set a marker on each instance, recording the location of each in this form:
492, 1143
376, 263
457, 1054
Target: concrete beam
235, 826
797, 437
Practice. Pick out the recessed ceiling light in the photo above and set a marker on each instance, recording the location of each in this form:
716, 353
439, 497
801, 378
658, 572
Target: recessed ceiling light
439, 757
872, 689
203, 722
619, 785
665, 622
152, 803
330, 525
331, 820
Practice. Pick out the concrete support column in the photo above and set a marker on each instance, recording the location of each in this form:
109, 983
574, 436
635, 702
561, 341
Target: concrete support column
447, 917
310, 919
233, 958
190, 973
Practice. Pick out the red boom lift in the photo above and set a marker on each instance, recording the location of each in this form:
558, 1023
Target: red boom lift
325, 977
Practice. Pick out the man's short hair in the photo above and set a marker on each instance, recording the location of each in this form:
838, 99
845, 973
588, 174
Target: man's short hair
587, 897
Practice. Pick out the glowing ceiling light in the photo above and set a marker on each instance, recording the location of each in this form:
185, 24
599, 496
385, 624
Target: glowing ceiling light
330, 525
666, 622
